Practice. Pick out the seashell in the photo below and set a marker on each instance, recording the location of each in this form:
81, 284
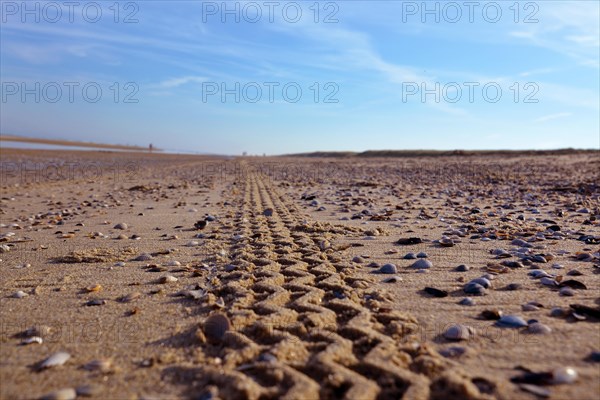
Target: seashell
31, 340
566, 291
122, 226
558, 266
210, 218
99, 365
422, 264
513, 264
514, 286
95, 288
61, 394
324, 245
194, 294
409, 241
536, 390
573, 284
119, 264
538, 328
192, 243
559, 312
55, 360
564, 375
511, 321
410, 256
358, 259
422, 254
173, 263
446, 242
130, 297
216, 326
435, 292
467, 301
458, 332
374, 265
529, 307
167, 279
474, 288
574, 272
220, 303
462, 268
453, 352
538, 273
95, 302
19, 294
388, 269
143, 257
392, 279
520, 243
483, 282
491, 314
548, 281
585, 310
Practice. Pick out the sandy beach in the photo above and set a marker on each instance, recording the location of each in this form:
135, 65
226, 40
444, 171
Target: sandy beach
161, 276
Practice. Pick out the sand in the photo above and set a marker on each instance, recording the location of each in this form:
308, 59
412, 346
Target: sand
301, 319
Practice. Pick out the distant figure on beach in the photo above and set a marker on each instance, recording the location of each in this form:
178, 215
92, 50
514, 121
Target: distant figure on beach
150, 147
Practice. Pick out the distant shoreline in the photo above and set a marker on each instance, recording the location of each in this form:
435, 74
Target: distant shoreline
73, 143
438, 153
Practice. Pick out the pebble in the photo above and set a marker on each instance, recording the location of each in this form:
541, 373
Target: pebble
358, 259
55, 360
511, 321
453, 352
462, 268
99, 365
574, 272
173, 263
458, 332
537, 328
529, 307
410, 256
388, 269
422, 264
121, 226
559, 312
192, 243
485, 282
373, 265
392, 279
548, 281
594, 356
422, 254
491, 315
119, 264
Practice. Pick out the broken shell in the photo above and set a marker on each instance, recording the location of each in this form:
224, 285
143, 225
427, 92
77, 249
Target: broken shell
458, 332
55, 360
95, 288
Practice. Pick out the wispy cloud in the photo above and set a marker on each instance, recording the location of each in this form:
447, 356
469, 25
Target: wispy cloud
184, 80
551, 117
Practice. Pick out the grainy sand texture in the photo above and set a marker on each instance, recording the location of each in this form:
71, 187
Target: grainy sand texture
157, 276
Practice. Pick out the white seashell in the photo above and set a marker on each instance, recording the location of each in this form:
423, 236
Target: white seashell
20, 294
173, 263
55, 360
192, 243
564, 375
33, 339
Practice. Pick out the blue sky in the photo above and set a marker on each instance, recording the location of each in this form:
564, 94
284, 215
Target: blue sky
357, 75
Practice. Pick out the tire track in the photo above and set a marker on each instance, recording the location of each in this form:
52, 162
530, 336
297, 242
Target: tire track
303, 326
